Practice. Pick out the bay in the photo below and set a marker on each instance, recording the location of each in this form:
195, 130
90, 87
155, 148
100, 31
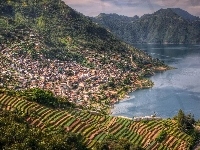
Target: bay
173, 90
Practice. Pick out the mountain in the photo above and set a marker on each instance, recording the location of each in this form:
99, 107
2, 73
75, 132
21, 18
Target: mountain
59, 24
184, 14
48, 45
117, 17
172, 25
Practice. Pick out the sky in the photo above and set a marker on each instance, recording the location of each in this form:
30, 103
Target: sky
131, 7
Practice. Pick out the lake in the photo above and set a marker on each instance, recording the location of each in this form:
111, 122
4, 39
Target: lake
173, 90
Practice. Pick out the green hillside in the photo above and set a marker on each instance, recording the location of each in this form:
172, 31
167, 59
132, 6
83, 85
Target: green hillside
16, 133
58, 24
97, 129
49, 45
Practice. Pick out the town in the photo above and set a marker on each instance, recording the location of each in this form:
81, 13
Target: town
99, 87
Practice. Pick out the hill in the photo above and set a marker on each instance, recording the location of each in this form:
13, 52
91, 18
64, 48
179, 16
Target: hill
184, 14
47, 44
172, 25
97, 130
16, 133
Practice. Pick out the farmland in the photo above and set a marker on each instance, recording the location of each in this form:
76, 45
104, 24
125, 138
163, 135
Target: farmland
96, 127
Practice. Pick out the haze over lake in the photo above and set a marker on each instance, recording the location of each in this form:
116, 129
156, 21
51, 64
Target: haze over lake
173, 90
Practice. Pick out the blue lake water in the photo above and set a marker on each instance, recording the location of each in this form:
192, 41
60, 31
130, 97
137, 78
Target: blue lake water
173, 90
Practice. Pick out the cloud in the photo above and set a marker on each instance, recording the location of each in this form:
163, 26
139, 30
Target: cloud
195, 2
131, 7
128, 3
82, 2
167, 3
87, 7
176, 3
194, 10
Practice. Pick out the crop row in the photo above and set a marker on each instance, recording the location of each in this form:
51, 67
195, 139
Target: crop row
95, 128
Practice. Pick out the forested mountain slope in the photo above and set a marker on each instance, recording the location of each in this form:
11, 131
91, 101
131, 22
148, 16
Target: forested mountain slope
172, 25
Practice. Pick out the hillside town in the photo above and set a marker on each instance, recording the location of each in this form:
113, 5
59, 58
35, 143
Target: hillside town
82, 85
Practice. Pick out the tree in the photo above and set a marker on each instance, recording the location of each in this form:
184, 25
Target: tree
112, 143
185, 122
181, 120
127, 81
17, 134
42, 96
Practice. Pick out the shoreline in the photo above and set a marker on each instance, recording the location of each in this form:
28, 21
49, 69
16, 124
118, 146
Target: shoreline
142, 118
127, 96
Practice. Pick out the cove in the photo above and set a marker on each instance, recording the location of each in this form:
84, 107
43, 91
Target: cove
173, 90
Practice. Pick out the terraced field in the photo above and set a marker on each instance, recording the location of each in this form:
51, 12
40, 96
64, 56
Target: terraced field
95, 128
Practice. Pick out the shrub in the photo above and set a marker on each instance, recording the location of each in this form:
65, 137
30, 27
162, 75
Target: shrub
162, 135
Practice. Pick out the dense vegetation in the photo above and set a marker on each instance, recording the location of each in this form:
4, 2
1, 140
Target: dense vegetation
185, 122
16, 133
170, 25
113, 143
62, 32
59, 25
43, 97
